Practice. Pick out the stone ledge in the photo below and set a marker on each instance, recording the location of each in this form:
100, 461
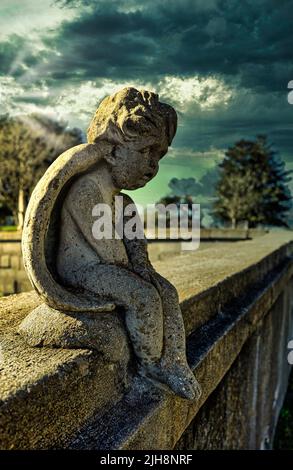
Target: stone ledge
141, 418
13, 236
47, 395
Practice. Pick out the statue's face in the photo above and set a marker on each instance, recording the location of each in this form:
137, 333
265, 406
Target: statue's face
135, 165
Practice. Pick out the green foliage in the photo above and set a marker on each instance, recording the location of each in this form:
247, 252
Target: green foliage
184, 187
177, 200
8, 228
209, 183
190, 191
28, 145
182, 190
253, 185
284, 431
4, 213
191, 188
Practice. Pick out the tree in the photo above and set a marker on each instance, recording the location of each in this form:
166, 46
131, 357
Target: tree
184, 187
183, 191
208, 182
4, 213
28, 145
253, 185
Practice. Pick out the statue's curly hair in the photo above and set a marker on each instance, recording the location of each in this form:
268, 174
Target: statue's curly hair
131, 114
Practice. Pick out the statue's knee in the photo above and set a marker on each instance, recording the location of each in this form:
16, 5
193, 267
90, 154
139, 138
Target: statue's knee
149, 296
169, 291
172, 292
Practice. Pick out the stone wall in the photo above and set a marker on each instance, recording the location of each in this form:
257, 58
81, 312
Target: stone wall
246, 404
13, 278
236, 300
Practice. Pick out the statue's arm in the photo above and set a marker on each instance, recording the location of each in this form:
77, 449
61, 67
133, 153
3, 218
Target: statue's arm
80, 201
137, 250
141, 264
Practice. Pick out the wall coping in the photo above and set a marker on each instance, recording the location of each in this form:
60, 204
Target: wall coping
205, 233
13, 236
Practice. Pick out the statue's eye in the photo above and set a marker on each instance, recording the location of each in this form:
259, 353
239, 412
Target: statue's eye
161, 152
154, 149
158, 151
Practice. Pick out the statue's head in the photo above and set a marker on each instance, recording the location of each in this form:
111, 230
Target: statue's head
139, 130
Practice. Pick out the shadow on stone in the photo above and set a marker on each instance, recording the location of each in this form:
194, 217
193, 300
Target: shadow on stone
103, 332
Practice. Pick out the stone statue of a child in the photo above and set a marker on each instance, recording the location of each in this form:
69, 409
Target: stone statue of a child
129, 134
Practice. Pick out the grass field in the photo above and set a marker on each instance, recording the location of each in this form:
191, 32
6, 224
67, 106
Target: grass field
8, 228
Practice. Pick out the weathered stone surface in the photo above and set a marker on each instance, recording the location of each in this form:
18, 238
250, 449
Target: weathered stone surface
12, 276
212, 350
242, 411
47, 399
15, 262
5, 261
157, 251
10, 236
47, 393
45, 326
73, 271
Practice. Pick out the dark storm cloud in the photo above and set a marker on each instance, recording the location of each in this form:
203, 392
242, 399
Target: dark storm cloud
107, 43
248, 115
246, 43
17, 56
250, 40
10, 59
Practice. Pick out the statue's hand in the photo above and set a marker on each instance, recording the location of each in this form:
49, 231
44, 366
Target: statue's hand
103, 147
144, 272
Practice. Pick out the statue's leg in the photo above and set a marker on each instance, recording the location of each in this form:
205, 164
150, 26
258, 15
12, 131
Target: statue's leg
161, 354
174, 331
142, 304
174, 352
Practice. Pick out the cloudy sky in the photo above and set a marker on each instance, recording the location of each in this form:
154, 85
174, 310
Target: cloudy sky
223, 64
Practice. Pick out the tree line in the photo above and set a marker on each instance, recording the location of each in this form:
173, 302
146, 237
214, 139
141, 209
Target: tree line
28, 145
249, 186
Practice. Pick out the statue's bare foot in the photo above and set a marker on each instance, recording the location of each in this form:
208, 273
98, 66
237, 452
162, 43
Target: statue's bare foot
178, 377
181, 380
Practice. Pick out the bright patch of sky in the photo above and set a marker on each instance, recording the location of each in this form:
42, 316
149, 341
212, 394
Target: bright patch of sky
29, 17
